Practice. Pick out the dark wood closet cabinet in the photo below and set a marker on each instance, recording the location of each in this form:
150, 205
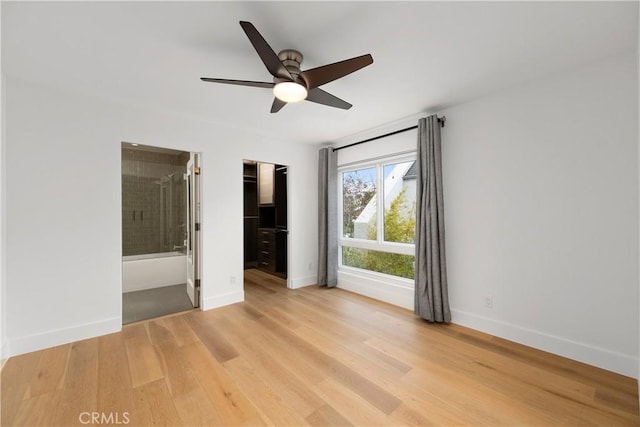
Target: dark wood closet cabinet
265, 237
250, 182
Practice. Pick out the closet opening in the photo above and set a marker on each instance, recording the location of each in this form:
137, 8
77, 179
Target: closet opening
265, 220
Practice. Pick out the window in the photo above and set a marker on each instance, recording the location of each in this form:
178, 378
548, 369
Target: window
379, 216
359, 204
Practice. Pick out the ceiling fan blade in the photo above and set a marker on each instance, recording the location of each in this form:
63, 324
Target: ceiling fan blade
268, 56
238, 82
318, 76
277, 105
319, 96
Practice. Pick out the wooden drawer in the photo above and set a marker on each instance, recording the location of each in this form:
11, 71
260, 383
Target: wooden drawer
266, 240
267, 249
266, 261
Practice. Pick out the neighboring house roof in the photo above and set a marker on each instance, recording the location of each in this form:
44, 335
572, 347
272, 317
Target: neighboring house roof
392, 187
411, 173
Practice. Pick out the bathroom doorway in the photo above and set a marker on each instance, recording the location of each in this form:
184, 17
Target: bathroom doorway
160, 231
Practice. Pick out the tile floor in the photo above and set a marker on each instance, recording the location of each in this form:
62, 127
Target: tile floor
150, 303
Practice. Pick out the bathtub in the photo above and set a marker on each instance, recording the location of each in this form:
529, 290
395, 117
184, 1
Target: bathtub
153, 271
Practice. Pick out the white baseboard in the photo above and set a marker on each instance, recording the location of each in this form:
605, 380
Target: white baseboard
399, 293
222, 300
56, 337
301, 282
602, 358
4, 351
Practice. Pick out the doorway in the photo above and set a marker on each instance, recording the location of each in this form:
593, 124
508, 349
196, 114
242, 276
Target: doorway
265, 219
160, 231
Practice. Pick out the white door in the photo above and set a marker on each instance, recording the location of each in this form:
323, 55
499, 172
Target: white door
192, 242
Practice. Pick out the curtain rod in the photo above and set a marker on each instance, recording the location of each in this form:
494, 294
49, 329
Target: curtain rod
440, 119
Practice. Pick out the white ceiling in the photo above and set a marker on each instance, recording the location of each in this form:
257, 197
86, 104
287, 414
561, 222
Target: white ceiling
427, 55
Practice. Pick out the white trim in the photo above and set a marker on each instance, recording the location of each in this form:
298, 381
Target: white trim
301, 282
595, 356
4, 351
390, 247
384, 288
63, 336
385, 159
222, 300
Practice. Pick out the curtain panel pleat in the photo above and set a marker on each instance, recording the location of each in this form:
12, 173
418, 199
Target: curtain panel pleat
327, 218
431, 287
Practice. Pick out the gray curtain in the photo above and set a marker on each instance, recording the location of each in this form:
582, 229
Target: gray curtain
431, 294
327, 218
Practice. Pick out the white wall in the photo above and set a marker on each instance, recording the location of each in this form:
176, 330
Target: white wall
541, 194
63, 225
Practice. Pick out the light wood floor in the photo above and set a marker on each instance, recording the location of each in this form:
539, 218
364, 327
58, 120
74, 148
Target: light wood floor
312, 356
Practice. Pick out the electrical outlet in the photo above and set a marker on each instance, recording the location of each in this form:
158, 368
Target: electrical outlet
488, 301
310, 266
232, 280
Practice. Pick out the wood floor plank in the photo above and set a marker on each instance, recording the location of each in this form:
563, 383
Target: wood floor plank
195, 409
433, 344
37, 411
463, 391
17, 374
50, 372
347, 376
80, 386
309, 356
362, 359
219, 347
230, 403
291, 389
312, 315
182, 333
407, 416
178, 376
144, 364
115, 391
154, 406
326, 415
271, 344
508, 375
352, 406
273, 406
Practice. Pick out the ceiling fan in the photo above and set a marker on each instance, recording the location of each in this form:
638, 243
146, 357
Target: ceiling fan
290, 84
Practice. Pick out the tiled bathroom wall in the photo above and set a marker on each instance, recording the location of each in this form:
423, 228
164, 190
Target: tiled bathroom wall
153, 201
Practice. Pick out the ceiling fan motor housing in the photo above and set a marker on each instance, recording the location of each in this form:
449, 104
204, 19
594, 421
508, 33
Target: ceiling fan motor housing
291, 59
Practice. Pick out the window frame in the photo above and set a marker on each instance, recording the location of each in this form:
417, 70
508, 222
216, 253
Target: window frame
379, 244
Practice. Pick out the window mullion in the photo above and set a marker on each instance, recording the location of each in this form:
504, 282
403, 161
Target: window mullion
380, 210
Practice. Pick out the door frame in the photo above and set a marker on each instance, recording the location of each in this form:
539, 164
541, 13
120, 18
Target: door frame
194, 234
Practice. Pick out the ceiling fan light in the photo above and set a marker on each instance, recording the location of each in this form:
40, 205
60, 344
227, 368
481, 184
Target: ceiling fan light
290, 91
